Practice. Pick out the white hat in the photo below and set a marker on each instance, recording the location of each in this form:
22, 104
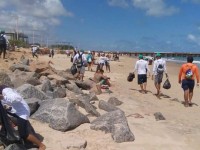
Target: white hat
89, 51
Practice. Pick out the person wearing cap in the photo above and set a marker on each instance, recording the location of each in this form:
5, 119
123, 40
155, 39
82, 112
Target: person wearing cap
80, 61
142, 68
16, 106
159, 67
3, 43
89, 60
186, 78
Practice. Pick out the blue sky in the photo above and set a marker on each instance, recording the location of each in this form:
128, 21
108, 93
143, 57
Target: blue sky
129, 25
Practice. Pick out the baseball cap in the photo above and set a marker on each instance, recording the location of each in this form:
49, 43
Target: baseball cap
158, 55
140, 56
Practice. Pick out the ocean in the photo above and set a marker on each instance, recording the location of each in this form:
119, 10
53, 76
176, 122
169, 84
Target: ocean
182, 60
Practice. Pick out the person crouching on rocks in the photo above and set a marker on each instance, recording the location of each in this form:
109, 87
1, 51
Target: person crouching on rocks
20, 109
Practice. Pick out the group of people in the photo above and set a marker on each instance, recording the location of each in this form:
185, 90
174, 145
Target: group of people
186, 78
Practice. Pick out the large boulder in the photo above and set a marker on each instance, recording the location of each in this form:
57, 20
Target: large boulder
106, 106
46, 86
114, 101
19, 67
5, 79
74, 88
85, 85
60, 114
115, 123
58, 92
84, 102
30, 91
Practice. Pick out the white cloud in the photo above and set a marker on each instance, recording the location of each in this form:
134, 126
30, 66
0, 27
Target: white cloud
119, 3
32, 14
155, 7
193, 38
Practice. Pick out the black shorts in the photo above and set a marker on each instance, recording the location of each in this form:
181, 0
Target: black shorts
188, 84
24, 128
142, 78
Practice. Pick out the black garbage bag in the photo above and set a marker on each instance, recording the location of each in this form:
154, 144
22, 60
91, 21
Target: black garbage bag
8, 134
167, 84
130, 77
73, 69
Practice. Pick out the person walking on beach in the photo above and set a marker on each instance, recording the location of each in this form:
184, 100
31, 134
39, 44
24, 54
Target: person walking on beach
3, 43
51, 52
142, 68
89, 60
159, 67
80, 61
17, 106
34, 51
186, 78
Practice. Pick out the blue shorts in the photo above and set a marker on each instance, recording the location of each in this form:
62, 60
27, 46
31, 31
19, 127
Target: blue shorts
142, 78
188, 84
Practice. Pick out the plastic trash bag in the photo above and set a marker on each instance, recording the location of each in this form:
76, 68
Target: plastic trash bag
73, 69
167, 84
130, 77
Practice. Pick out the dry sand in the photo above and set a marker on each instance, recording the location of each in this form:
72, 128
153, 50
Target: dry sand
180, 130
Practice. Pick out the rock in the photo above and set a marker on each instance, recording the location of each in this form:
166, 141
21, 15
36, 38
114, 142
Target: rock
58, 92
46, 86
59, 80
115, 123
93, 96
114, 101
60, 114
19, 67
25, 61
85, 85
29, 91
33, 81
106, 106
159, 116
66, 75
74, 88
84, 102
5, 79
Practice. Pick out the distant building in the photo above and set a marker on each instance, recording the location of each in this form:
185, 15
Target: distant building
13, 36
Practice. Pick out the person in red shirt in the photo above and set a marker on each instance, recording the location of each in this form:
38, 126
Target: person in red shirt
187, 74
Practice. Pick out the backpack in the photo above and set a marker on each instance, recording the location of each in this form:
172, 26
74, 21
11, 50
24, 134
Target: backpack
189, 73
2, 40
160, 69
79, 62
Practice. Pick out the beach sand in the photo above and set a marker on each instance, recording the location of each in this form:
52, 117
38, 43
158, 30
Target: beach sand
180, 130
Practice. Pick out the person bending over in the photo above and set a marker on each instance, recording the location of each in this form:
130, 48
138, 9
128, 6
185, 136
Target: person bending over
19, 108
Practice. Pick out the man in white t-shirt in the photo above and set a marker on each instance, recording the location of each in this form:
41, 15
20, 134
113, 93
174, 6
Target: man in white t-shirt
142, 67
159, 67
17, 106
80, 61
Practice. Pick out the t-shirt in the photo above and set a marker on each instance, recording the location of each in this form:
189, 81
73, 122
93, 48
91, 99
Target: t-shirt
185, 67
157, 63
18, 104
141, 66
77, 56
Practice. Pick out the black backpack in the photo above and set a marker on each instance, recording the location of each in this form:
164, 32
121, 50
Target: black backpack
2, 40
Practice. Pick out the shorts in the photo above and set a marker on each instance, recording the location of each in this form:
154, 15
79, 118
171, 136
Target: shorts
188, 84
81, 70
158, 78
142, 78
24, 128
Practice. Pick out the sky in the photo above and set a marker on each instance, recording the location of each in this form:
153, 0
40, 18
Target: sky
117, 25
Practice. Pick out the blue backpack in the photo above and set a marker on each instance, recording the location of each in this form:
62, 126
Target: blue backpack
2, 40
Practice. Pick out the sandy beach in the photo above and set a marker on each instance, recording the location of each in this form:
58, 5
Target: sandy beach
180, 130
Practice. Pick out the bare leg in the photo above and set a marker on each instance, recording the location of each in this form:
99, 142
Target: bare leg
190, 96
34, 140
186, 96
145, 87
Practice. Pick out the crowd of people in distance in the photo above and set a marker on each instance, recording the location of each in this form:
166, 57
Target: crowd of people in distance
186, 77
82, 60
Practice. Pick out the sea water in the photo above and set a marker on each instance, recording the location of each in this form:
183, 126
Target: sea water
182, 60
